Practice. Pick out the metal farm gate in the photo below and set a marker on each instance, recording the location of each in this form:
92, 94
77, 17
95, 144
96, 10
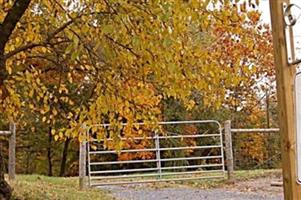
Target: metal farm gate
183, 150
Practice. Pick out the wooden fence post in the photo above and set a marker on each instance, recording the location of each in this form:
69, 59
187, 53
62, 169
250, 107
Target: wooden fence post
285, 78
82, 164
12, 152
229, 150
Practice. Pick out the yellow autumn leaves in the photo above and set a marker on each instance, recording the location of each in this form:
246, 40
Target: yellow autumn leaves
117, 61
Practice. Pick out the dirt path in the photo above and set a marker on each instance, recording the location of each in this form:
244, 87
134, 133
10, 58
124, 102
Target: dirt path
254, 189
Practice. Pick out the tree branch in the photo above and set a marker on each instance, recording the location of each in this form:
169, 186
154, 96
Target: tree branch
22, 48
12, 18
43, 43
122, 45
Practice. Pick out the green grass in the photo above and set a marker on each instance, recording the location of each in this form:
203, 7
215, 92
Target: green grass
259, 173
36, 187
238, 176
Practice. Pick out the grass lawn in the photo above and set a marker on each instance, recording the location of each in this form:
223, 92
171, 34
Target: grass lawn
36, 187
242, 175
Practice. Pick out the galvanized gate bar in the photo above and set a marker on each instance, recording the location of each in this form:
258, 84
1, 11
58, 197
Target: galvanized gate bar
157, 180
193, 166
124, 170
122, 162
165, 123
154, 160
191, 147
154, 174
122, 151
161, 137
162, 149
191, 158
153, 169
203, 166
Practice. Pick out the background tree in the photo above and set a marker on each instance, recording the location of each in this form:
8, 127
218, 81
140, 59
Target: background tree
74, 63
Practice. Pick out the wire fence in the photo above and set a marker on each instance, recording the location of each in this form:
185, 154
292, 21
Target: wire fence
257, 149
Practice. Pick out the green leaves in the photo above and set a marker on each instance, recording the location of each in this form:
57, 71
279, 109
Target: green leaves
107, 29
167, 42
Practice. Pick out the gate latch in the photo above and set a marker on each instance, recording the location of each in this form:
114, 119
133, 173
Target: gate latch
293, 40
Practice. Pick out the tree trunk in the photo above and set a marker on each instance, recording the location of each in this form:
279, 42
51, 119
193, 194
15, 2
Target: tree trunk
7, 26
64, 157
49, 153
5, 189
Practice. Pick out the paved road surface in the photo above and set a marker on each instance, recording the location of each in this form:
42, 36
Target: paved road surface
128, 193
252, 189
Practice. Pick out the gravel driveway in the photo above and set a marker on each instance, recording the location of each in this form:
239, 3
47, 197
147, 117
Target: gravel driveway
256, 189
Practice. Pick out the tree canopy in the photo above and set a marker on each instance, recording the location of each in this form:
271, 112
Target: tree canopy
91, 62
70, 64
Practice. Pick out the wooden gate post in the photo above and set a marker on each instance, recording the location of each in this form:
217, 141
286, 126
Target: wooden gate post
12, 152
229, 150
285, 77
82, 164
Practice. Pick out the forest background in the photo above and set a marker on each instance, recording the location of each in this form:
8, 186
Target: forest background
68, 63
